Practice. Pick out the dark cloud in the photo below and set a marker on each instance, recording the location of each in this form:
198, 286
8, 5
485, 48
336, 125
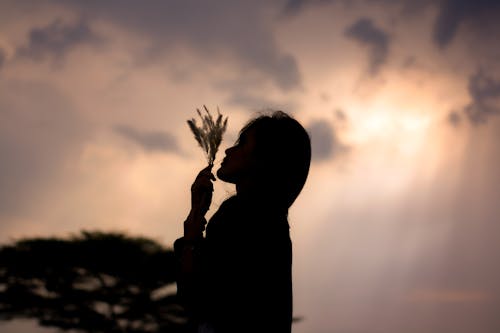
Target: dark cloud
454, 13
292, 7
228, 32
56, 40
404, 6
324, 141
36, 139
454, 118
150, 141
484, 91
340, 115
365, 32
453, 16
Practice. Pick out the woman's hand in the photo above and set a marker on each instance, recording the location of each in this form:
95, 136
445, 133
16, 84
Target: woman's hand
201, 198
201, 191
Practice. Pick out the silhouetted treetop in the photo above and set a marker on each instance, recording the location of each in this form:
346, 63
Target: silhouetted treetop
94, 282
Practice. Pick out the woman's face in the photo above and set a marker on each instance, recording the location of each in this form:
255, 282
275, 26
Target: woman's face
237, 165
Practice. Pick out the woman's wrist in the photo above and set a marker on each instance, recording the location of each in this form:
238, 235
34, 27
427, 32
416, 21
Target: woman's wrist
195, 215
194, 226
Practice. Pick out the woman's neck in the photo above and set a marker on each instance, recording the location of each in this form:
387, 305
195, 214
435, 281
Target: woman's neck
252, 189
259, 195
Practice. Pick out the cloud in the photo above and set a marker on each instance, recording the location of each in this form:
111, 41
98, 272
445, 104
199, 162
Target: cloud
484, 91
448, 296
249, 101
258, 102
340, 115
292, 7
3, 56
56, 40
365, 32
151, 141
454, 13
35, 141
226, 32
324, 142
454, 118
453, 16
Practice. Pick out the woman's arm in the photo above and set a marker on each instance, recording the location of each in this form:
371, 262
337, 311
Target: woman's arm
201, 198
189, 248
194, 225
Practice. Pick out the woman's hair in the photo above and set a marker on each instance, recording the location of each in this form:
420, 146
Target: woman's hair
282, 154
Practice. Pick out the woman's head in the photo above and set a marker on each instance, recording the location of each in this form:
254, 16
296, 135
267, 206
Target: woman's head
272, 156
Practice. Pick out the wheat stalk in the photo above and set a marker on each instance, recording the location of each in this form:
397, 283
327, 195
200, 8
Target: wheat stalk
209, 134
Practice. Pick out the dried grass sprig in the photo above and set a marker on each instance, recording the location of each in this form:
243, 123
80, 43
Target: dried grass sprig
209, 134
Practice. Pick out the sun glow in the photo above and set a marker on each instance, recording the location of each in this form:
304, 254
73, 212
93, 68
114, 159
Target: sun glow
383, 123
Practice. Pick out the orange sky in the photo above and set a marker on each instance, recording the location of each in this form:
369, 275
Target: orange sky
397, 229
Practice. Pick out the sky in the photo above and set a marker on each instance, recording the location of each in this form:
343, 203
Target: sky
397, 229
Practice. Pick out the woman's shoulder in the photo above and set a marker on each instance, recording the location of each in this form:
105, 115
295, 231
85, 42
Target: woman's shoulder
254, 218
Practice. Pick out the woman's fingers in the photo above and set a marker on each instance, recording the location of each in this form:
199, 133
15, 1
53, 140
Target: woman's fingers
201, 198
204, 179
202, 185
201, 191
207, 173
203, 224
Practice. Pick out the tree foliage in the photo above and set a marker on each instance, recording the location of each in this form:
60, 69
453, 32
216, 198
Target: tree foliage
93, 282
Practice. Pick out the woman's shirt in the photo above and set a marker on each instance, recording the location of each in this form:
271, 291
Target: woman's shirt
242, 278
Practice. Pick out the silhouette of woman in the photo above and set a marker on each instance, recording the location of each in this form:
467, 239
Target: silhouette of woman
238, 277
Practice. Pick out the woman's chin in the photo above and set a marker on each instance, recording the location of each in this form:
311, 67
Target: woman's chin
224, 176
220, 174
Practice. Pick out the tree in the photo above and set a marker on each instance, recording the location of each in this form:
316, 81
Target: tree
93, 282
